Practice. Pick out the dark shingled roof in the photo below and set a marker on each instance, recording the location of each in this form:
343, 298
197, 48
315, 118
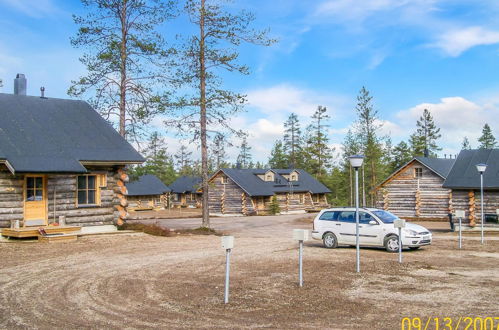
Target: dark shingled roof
147, 185
465, 175
186, 184
248, 180
441, 166
54, 135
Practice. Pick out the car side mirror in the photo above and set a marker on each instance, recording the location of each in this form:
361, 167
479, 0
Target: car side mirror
373, 222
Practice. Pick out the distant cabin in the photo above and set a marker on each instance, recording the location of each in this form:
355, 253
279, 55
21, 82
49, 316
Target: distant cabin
432, 188
147, 192
186, 192
60, 158
250, 191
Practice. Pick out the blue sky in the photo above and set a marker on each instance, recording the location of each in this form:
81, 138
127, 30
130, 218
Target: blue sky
411, 54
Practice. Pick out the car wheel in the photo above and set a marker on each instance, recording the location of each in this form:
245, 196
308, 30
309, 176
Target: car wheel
330, 240
392, 243
414, 247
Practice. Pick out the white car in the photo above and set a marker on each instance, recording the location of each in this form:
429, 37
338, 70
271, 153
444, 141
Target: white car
337, 226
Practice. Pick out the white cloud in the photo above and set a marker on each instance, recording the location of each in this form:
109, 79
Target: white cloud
33, 8
457, 41
457, 117
281, 100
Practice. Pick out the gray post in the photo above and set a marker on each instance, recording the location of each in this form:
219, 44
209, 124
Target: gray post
300, 266
460, 234
227, 275
481, 200
357, 219
400, 245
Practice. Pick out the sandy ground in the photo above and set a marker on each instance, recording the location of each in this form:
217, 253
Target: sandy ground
141, 281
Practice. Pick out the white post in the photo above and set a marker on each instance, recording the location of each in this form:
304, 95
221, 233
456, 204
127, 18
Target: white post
227, 276
227, 244
300, 272
481, 202
460, 235
357, 246
400, 245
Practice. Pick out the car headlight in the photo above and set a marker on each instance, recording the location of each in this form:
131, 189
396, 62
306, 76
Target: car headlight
410, 232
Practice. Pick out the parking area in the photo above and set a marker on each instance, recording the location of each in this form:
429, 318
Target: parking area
142, 281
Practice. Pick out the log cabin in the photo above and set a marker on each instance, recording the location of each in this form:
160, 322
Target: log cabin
148, 192
250, 191
415, 191
433, 188
186, 192
59, 157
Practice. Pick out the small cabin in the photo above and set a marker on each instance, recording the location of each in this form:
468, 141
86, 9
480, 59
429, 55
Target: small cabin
432, 188
250, 191
148, 192
59, 157
186, 192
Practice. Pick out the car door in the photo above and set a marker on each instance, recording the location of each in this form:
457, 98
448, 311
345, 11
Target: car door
369, 234
328, 221
347, 227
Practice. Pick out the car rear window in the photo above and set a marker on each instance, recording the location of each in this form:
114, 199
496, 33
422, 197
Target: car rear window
329, 216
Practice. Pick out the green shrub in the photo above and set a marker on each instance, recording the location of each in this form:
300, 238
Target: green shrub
274, 206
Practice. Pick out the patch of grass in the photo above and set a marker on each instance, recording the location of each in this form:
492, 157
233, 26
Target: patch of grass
151, 229
157, 230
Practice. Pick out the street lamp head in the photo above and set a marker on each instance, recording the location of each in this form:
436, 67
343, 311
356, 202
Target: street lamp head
356, 160
481, 167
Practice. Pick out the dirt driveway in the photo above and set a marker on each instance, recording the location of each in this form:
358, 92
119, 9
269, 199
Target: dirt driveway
142, 281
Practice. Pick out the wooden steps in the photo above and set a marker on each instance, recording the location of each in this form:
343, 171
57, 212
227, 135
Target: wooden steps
33, 231
58, 238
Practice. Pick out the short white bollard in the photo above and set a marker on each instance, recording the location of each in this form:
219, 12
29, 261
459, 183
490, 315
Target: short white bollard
300, 235
399, 223
228, 245
460, 216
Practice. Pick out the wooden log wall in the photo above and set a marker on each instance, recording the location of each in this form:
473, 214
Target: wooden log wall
11, 197
469, 201
113, 203
228, 198
404, 199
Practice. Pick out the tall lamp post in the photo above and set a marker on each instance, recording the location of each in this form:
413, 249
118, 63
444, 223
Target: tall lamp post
356, 162
481, 168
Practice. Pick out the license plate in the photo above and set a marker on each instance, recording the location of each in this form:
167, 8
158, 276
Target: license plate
426, 237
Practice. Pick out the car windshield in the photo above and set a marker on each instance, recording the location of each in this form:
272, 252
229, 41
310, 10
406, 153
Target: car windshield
385, 216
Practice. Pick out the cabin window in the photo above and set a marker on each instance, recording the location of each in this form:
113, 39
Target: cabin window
294, 177
223, 179
175, 197
302, 198
268, 177
34, 189
87, 190
418, 172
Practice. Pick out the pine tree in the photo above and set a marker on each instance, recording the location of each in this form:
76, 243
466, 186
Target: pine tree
423, 141
367, 127
487, 140
205, 55
158, 162
126, 59
218, 151
278, 157
401, 155
466, 144
183, 160
244, 157
292, 139
317, 153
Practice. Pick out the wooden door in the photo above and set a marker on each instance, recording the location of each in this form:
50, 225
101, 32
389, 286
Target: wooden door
35, 198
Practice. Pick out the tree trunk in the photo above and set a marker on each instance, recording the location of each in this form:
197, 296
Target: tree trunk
123, 60
204, 146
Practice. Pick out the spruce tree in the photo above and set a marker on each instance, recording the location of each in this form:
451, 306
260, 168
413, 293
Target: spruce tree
423, 141
183, 160
465, 145
292, 139
401, 155
317, 153
244, 158
487, 140
278, 157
